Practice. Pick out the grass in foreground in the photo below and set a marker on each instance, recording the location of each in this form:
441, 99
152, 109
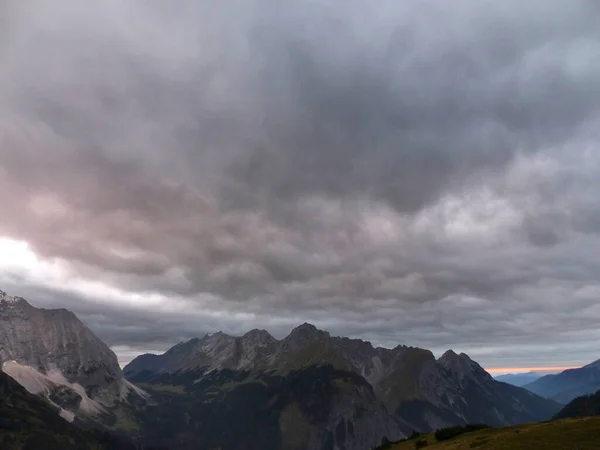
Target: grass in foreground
568, 434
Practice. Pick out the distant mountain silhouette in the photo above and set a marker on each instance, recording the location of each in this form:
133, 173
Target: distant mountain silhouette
567, 385
519, 379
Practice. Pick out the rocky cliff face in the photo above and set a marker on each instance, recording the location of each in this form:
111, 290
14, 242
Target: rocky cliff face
52, 350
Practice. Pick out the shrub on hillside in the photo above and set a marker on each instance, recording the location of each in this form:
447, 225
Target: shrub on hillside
421, 443
415, 434
386, 444
448, 433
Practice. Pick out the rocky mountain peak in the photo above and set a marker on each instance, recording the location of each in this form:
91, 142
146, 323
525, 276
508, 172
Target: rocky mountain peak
6, 299
449, 355
305, 327
219, 348
258, 337
463, 366
307, 331
45, 348
215, 339
451, 358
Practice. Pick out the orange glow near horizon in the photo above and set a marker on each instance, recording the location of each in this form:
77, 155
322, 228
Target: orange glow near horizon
527, 369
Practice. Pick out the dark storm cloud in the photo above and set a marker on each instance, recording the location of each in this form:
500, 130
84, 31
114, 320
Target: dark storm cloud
413, 172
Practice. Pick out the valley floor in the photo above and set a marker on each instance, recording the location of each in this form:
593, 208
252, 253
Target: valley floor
568, 434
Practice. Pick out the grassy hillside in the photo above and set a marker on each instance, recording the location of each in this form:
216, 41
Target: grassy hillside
568, 434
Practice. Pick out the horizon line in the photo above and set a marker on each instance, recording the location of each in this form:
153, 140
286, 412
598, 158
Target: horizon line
528, 369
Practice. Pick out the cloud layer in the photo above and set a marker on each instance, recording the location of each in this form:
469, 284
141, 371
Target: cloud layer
410, 172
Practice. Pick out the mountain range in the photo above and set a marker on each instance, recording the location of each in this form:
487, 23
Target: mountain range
403, 389
569, 384
309, 390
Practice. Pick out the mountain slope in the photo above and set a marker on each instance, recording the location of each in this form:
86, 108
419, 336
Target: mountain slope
584, 406
458, 385
567, 385
54, 353
28, 422
405, 388
314, 408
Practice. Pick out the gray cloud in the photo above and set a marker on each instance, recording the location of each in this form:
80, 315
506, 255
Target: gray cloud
416, 173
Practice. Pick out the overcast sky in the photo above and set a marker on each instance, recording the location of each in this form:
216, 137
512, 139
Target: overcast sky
406, 172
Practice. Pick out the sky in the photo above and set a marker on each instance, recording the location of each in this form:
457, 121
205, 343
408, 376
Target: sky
423, 173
